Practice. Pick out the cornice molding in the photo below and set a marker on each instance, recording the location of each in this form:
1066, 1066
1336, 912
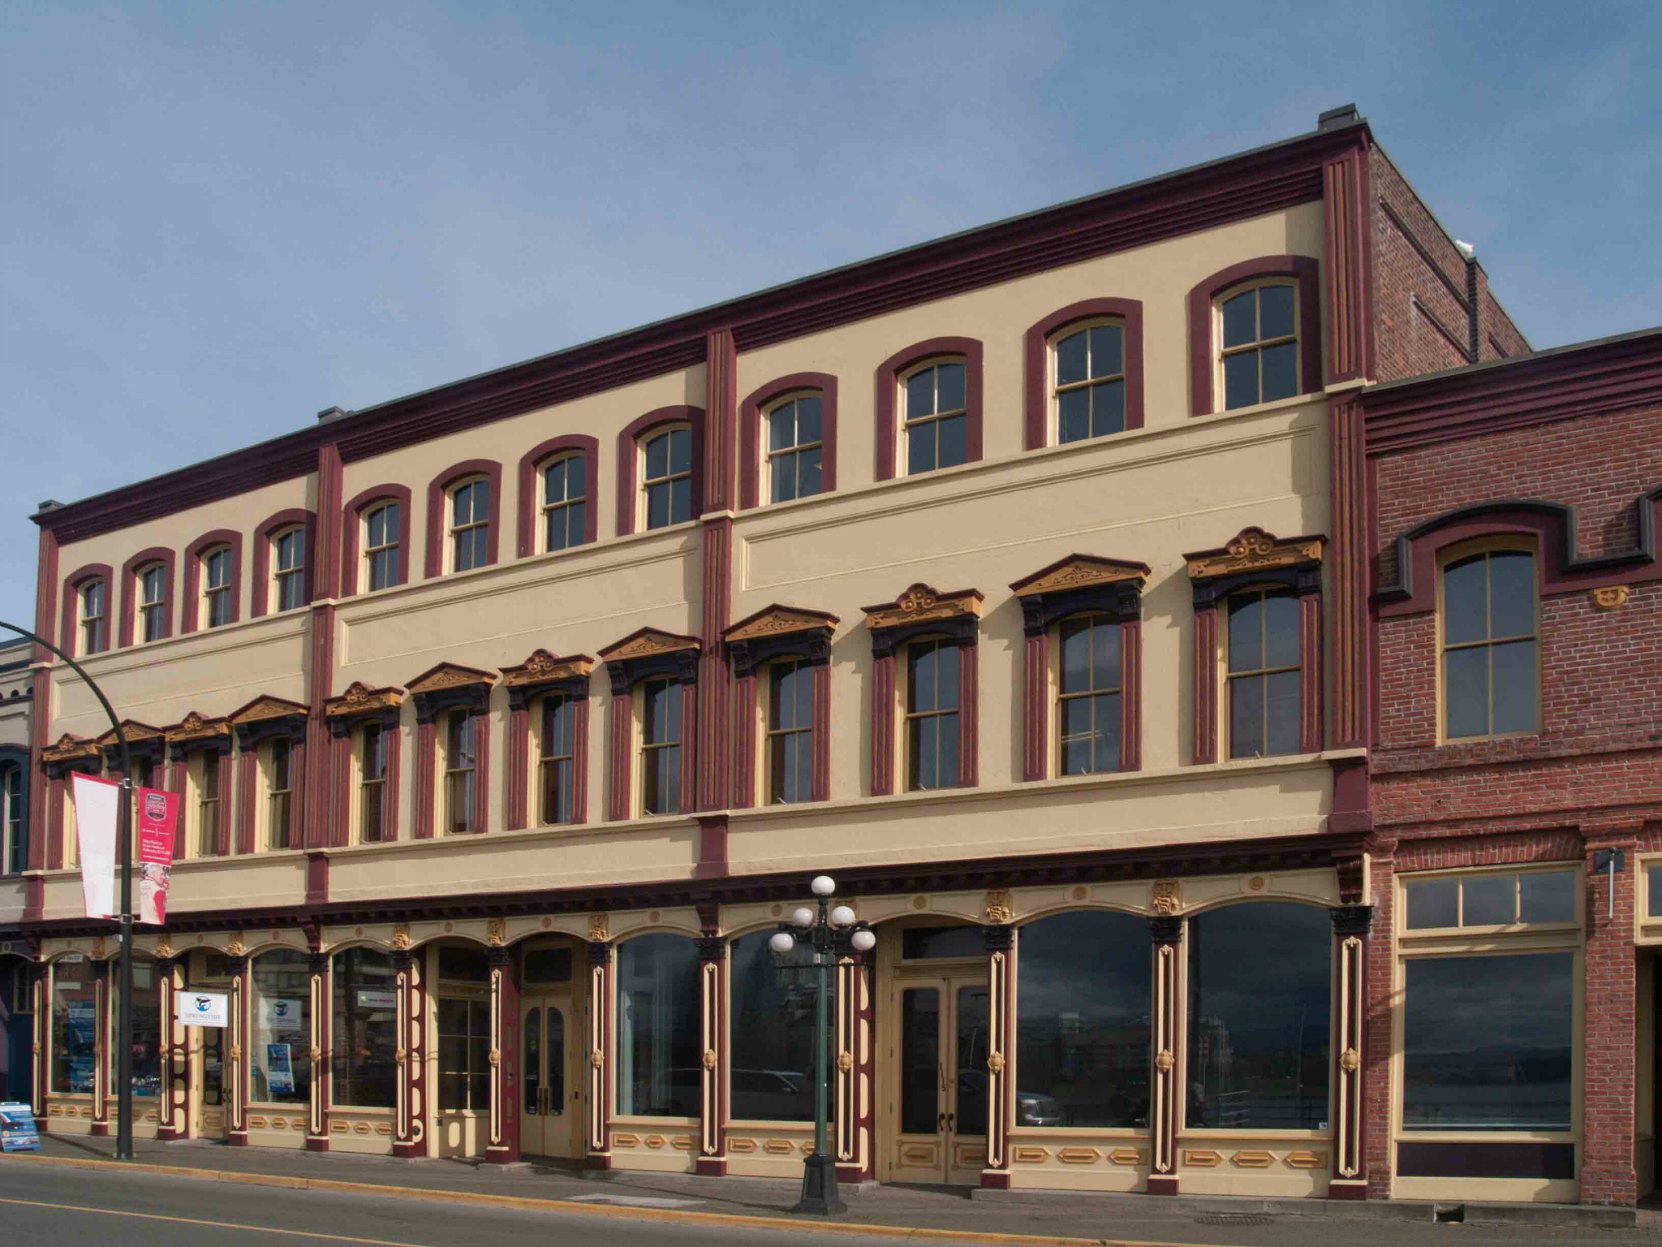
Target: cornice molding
777, 620
361, 699
923, 603
449, 675
265, 708
1080, 571
1254, 550
197, 727
649, 643
545, 668
70, 749
135, 732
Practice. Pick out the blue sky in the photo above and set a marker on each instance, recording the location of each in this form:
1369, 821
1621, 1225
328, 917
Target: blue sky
217, 219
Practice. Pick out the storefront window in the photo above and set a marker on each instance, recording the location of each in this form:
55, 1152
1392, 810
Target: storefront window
1260, 995
773, 1033
1488, 1042
659, 1071
365, 1039
280, 1062
1082, 1029
464, 1054
74, 1028
147, 1027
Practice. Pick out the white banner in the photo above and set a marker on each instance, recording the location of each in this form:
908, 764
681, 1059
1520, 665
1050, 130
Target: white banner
283, 1013
97, 808
202, 1008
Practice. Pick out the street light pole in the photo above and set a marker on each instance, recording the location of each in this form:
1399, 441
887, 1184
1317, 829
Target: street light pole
831, 933
124, 852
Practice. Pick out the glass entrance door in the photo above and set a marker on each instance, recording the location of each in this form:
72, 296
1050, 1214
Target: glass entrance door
940, 1105
550, 1100
209, 1079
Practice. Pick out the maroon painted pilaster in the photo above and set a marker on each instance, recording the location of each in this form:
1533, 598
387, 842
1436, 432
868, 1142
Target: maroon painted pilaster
103, 1071
597, 1139
1352, 624
1035, 708
1131, 695
1348, 287
340, 786
744, 741
317, 877
57, 793
1165, 1077
1352, 925
969, 713
1001, 1015
248, 771
41, 708
502, 1147
692, 752
580, 761
620, 735
239, 1035
712, 847
409, 1139
1310, 681
712, 1132
482, 769
223, 829
41, 1049
516, 767
721, 402
714, 672
820, 783
317, 816
1206, 685
426, 762
882, 725
173, 1099
322, 991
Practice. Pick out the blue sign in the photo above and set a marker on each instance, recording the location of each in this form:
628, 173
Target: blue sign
17, 1129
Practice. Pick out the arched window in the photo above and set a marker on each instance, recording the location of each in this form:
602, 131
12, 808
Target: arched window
14, 821
280, 1058
1258, 343
1260, 1002
218, 587
772, 1075
288, 568
794, 448
94, 608
666, 476
659, 1071
365, 1024
470, 527
1089, 374
1088, 694
564, 502
1264, 673
151, 580
1082, 1030
383, 533
1489, 644
934, 420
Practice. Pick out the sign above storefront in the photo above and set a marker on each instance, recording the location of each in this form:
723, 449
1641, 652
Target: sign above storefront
202, 1009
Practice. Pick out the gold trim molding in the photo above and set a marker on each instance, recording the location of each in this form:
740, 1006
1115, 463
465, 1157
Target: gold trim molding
449, 675
361, 699
1254, 550
648, 643
923, 603
545, 668
779, 620
1079, 571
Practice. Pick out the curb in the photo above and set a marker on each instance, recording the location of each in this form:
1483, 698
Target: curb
529, 1203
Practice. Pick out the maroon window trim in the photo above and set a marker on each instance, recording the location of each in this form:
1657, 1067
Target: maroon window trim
1305, 272
628, 452
129, 590
530, 488
70, 624
352, 517
888, 397
260, 587
190, 619
1037, 431
752, 449
1040, 701
438, 510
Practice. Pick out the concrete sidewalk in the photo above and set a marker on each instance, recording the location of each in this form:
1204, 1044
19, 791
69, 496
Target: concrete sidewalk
917, 1212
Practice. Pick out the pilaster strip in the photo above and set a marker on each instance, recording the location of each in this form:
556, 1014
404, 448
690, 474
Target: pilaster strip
1206, 685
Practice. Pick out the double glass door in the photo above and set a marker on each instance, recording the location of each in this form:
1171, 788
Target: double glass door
941, 1104
550, 1099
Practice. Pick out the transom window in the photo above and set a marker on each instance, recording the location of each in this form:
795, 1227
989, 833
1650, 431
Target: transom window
1089, 695
666, 483
790, 732
932, 715
280, 795
937, 421
460, 772
564, 503
372, 783
1512, 898
152, 582
1489, 645
207, 803
288, 568
1263, 673
217, 587
1259, 344
382, 530
470, 525
95, 617
661, 747
14, 829
556, 762
795, 447
1090, 382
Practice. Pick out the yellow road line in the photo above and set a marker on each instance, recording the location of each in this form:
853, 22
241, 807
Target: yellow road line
564, 1206
218, 1225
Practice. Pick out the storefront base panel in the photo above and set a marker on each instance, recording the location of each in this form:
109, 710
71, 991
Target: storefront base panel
1269, 1165
758, 1149
1077, 1160
70, 1114
276, 1127
1099, 1175
459, 1134
665, 1145
1489, 1190
361, 1131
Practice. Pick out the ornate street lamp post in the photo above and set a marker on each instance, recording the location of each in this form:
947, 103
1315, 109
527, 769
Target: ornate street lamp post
832, 933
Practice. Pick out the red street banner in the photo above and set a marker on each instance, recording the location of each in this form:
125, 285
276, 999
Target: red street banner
158, 817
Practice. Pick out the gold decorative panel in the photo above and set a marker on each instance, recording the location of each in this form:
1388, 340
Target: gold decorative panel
1031, 1155
626, 1140
1078, 1155
655, 1140
742, 1146
1252, 1160
1126, 1156
258, 1123
681, 1143
1306, 1160
920, 1154
779, 1147
1201, 1158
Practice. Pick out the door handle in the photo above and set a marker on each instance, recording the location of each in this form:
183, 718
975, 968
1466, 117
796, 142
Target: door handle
940, 1122
951, 1121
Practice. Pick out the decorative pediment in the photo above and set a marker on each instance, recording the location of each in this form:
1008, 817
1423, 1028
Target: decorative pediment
648, 643
1254, 550
359, 698
69, 749
779, 620
449, 675
135, 733
197, 727
545, 668
923, 604
262, 709
1079, 571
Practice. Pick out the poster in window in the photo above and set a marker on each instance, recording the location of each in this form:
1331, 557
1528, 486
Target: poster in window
279, 1069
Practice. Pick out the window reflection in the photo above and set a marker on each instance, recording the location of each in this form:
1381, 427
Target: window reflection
365, 1026
280, 1065
659, 1072
773, 1031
